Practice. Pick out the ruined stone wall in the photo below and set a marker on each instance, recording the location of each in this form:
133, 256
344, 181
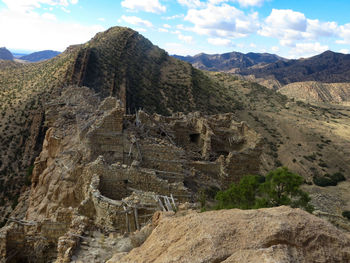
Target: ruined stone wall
163, 157
116, 215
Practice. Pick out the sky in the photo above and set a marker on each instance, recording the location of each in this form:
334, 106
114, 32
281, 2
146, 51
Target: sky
291, 29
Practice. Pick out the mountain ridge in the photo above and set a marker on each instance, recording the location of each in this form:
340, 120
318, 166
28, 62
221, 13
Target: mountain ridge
40, 55
326, 67
229, 61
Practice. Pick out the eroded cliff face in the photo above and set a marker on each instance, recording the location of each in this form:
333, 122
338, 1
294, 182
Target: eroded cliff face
103, 169
279, 234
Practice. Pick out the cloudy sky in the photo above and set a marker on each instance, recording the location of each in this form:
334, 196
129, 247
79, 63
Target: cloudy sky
290, 29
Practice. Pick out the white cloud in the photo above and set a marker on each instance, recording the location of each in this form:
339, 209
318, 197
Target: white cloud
252, 45
173, 17
102, 19
291, 27
167, 26
275, 49
74, 2
244, 3
219, 41
163, 30
65, 10
136, 21
316, 29
222, 21
344, 33
140, 29
307, 49
186, 39
250, 2
151, 6
49, 16
25, 6
181, 49
191, 3
35, 32
287, 19
344, 51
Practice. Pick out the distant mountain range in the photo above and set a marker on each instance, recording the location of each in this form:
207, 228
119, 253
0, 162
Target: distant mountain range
40, 56
328, 67
6, 54
324, 78
229, 61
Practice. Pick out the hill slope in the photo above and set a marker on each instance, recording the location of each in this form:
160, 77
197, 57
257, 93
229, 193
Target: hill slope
327, 67
122, 63
118, 62
229, 61
5, 54
312, 91
40, 55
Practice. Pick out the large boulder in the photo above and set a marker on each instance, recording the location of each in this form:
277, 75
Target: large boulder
280, 234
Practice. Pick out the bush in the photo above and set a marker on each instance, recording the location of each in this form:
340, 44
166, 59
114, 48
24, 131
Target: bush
281, 187
324, 181
346, 214
329, 180
338, 177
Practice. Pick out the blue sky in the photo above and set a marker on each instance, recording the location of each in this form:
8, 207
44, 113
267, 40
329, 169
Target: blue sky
290, 29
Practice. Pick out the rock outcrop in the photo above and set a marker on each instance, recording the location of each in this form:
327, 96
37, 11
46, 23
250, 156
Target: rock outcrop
103, 169
280, 234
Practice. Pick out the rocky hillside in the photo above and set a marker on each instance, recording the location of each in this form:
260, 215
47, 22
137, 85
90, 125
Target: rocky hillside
229, 61
327, 67
312, 91
40, 55
118, 62
266, 235
5, 54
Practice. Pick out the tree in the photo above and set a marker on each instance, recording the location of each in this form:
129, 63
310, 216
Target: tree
279, 187
242, 195
282, 187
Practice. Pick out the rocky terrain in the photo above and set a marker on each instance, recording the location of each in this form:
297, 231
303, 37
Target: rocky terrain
230, 62
99, 165
119, 62
40, 55
97, 139
5, 54
266, 235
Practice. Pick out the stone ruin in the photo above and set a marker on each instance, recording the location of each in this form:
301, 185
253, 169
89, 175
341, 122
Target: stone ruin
153, 155
124, 168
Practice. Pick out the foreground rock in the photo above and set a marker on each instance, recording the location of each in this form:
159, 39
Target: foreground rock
277, 234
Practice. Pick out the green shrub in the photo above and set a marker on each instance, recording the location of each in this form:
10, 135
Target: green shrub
346, 214
324, 181
329, 180
338, 177
281, 187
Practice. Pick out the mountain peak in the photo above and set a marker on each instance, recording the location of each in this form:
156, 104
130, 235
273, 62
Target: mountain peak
5, 54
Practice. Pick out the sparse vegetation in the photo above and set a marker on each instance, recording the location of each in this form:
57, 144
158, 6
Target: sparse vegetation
279, 187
